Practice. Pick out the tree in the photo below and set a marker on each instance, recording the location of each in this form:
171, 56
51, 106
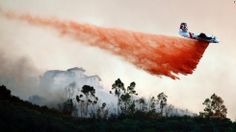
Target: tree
118, 87
152, 105
90, 98
81, 104
127, 103
142, 104
162, 101
102, 112
124, 95
214, 107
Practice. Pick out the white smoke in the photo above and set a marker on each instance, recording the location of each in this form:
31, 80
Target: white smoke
62, 85
170, 111
19, 75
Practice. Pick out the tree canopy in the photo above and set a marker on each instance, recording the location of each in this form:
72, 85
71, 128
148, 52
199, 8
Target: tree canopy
214, 107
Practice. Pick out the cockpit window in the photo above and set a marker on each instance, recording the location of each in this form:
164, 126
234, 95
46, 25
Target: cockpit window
184, 27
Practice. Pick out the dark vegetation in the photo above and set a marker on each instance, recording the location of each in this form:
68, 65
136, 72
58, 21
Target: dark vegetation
131, 114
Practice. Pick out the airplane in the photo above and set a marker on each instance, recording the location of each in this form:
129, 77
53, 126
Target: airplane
183, 31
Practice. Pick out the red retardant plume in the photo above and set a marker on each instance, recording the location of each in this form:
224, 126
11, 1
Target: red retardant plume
156, 54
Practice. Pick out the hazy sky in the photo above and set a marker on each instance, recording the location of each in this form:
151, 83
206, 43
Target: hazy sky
48, 50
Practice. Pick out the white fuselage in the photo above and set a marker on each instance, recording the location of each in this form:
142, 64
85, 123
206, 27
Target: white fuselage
188, 34
184, 34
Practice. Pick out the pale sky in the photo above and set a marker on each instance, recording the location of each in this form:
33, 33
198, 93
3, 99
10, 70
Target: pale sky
47, 50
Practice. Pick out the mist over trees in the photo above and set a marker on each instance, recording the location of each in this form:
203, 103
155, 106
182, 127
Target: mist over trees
136, 114
82, 101
86, 104
81, 97
61, 89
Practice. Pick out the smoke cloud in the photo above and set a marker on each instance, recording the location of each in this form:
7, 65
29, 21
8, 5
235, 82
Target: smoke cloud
18, 74
156, 54
61, 85
24, 80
